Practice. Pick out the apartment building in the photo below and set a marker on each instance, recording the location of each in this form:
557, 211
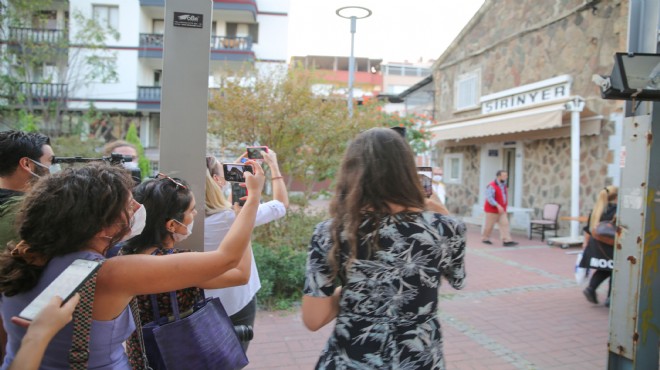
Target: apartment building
121, 76
402, 78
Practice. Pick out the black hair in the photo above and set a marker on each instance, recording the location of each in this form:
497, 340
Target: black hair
164, 199
499, 172
15, 145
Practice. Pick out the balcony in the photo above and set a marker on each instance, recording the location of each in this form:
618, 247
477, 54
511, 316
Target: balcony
36, 93
23, 35
148, 98
222, 47
152, 2
241, 11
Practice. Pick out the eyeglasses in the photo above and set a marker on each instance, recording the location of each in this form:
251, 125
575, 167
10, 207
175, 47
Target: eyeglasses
164, 176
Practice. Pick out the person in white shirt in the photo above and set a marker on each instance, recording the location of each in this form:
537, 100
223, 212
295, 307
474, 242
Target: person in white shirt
438, 185
240, 302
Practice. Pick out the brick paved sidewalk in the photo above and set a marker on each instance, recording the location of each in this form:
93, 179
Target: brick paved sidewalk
521, 309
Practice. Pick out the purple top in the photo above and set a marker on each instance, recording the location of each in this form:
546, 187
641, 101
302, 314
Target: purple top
105, 346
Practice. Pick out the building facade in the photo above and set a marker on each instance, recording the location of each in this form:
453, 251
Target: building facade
244, 34
504, 92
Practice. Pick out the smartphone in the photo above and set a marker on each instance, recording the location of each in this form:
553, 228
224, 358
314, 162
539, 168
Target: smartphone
234, 172
65, 286
254, 152
426, 176
238, 192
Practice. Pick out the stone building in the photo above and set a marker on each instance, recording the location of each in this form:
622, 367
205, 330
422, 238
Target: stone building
504, 92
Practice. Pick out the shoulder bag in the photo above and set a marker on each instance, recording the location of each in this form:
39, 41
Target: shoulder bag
205, 339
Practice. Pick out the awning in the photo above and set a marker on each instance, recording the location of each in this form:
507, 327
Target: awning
532, 119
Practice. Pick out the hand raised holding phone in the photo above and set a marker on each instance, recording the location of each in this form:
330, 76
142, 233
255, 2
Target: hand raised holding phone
254, 181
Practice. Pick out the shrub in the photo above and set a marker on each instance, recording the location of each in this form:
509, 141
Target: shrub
280, 250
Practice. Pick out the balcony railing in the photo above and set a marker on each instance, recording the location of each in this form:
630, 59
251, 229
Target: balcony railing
231, 43
148, 97
43, 91
36, 35
155, 40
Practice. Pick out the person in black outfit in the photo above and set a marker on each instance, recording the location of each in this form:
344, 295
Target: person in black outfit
599, 254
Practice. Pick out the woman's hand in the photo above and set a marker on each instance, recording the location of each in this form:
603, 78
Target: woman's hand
53, 317
254, 181
270, 157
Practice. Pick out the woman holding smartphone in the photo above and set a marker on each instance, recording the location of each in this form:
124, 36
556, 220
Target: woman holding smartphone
389, 255
80, 213
240, 302
170, 207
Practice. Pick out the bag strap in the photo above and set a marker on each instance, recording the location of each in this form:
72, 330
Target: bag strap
135, 310
82, 324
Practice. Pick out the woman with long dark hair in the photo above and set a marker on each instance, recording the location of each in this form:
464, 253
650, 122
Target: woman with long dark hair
79, 214
376, 266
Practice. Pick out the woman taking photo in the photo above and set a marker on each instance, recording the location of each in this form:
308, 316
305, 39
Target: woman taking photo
389, 255
240, 302
170, 207
80, 213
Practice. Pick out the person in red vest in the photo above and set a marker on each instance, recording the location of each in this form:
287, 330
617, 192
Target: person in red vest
495, 208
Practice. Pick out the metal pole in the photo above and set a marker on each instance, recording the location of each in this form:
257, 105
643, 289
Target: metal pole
351, 69
575, 107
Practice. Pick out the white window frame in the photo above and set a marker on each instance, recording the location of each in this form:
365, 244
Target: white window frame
449, 177
105, 20
467, 80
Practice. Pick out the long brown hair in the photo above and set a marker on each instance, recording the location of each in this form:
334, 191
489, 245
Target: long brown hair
378, 170
608, 194
60, 215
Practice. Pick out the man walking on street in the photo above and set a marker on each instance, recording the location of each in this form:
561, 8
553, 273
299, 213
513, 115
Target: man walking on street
495, 208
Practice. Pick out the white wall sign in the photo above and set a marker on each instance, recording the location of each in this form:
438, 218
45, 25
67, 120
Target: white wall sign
540, 92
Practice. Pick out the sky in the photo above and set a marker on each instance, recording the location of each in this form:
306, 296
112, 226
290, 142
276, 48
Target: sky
396, 31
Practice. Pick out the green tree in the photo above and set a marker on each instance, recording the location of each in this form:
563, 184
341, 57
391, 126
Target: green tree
143, 162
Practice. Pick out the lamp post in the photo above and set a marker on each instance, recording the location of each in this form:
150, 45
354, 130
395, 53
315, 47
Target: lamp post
353, 13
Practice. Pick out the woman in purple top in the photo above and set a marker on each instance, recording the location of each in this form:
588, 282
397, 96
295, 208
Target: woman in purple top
80, 213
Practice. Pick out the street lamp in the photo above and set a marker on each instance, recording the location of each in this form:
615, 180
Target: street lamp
353, 13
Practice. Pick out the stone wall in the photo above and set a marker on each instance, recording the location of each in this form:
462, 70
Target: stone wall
461, 197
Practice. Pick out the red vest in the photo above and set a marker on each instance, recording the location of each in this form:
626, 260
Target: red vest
499, 198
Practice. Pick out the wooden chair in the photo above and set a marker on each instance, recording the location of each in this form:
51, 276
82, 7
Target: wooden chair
548, 221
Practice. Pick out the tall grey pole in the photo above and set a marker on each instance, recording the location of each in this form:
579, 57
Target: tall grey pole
351, 69
184, 100
635, 304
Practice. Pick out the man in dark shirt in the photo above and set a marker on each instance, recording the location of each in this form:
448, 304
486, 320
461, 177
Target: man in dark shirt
24, 157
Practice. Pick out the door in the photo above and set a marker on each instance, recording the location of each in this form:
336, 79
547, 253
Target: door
509, 165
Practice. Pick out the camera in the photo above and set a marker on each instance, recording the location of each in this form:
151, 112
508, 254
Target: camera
114, 159
234, 172
238, 192
254, 152
244, 332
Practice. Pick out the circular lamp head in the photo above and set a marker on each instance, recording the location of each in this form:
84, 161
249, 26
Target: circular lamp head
349, 12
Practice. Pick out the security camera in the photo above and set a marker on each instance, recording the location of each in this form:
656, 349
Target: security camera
602, 81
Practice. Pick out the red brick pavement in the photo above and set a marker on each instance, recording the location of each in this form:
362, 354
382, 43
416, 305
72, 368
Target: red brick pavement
521, 309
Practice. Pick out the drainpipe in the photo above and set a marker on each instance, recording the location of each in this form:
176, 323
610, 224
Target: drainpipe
575, 106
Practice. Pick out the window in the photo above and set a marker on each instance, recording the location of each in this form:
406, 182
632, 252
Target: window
453, 168
467, 90
107, 16
253, 31
158, 26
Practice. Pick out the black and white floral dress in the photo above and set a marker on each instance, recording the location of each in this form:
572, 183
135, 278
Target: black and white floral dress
388, 317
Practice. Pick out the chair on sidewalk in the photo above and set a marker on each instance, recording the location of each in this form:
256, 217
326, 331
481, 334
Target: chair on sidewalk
548, 221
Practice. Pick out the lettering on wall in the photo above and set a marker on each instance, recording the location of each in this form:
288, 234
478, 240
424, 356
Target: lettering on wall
524, 98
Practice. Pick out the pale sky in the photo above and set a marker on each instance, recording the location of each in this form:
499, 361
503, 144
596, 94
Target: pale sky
396, 31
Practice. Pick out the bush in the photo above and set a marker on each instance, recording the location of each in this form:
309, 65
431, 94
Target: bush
280, 250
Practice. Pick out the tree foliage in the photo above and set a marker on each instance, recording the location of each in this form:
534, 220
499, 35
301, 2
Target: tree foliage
143, 162
308, 132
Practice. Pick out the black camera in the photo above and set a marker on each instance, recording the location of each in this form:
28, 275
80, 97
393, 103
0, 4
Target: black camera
244, 332
113, 159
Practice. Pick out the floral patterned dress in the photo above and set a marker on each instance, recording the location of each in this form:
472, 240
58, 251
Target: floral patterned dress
388, 316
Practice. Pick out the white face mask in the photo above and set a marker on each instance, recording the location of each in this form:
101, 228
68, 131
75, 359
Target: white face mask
179, 237
437, 178
131, 165
138, 221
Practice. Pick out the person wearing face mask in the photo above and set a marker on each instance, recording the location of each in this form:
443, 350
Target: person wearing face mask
497, 198
438, 185
126, 149
24, 158
170, 210
240, 302
80, 213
